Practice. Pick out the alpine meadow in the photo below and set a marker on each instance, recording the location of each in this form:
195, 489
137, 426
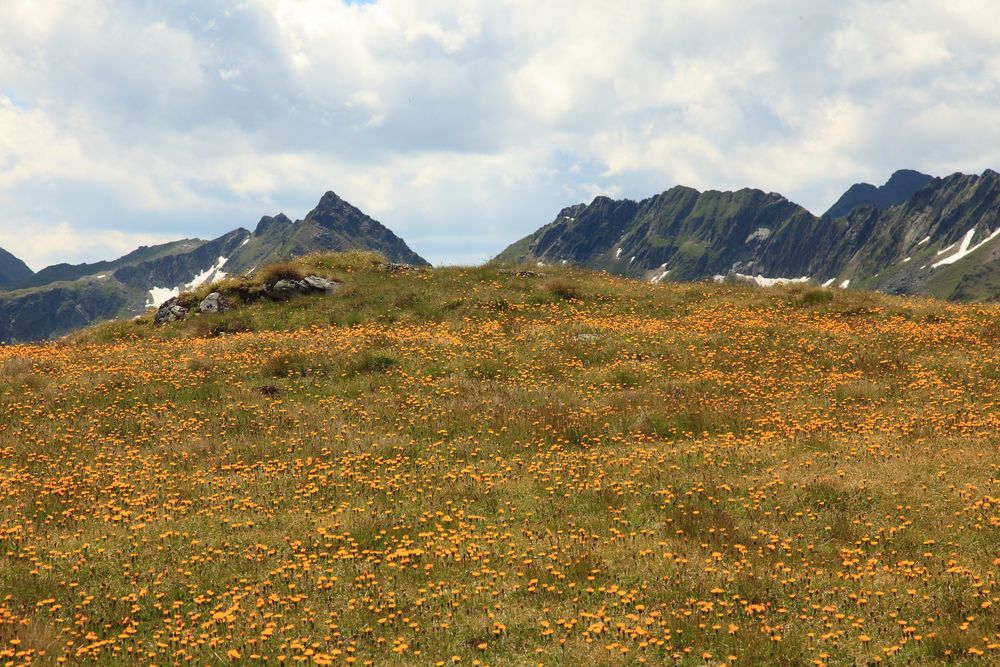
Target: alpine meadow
506, 466
437, 333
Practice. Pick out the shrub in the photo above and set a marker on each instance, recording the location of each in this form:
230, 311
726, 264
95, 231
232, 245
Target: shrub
812, 296
272, 273
564, 289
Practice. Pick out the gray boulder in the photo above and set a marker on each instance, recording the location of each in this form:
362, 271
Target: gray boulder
318, 284
213, 303
170, 311
286, 289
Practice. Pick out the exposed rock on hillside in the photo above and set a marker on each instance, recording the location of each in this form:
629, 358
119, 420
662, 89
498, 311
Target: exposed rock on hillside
175, 308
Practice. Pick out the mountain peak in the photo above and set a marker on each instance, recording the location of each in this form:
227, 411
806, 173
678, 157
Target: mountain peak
336, 224
331, 199
268, 223
12, 269
902, 185
906, 173
331, 210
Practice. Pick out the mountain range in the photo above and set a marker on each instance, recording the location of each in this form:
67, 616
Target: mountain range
64, 297
914, 235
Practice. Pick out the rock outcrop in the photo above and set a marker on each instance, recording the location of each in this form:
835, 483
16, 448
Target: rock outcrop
171, 310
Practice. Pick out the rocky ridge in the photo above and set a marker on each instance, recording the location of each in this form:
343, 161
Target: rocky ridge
941, 241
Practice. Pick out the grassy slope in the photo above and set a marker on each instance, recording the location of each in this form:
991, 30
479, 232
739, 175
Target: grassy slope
443, 468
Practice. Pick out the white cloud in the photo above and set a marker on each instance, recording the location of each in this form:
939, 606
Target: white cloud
451, 41
33, 147
42, 244
464, 125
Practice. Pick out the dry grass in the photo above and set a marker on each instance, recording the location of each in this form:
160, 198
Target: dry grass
272, 273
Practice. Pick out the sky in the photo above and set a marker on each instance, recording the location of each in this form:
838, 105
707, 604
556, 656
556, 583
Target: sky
463, 125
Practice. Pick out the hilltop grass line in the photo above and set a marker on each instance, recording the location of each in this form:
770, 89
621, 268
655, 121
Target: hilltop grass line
503, 466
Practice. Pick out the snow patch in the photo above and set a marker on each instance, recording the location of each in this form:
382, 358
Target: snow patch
660, 276
762, 281
924, 241
618, 253
907, 260
158, 295
965, 250
632, 259
944, 250
245, 241
828, 282
213, 272
845, 284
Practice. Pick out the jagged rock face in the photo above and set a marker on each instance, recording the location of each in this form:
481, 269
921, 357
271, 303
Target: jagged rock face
269, 223
902, 185
340, 226
688, 233
343, 227
334, 225
944, 240
12, 269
